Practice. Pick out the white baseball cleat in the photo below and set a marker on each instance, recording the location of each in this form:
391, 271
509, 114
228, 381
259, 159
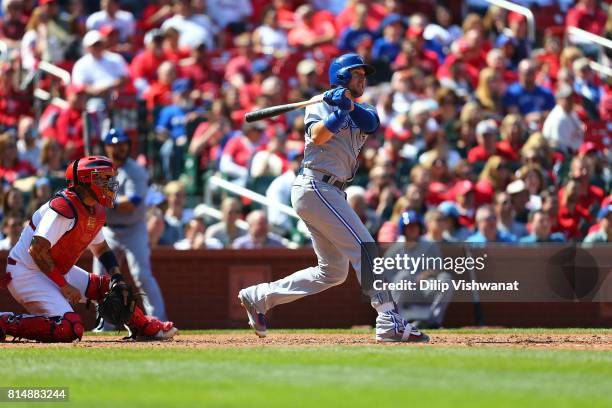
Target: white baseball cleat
165, 334
257, 320
391, 327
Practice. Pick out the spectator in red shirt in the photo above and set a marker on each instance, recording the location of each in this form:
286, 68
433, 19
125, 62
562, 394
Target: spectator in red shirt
14, 102
155, 13
498, 61
426, 59
11, 168
549, 61
174, 52
376, 12
198, 69
69, 124
238, 69
308, 34
239, 150
207, 138
159, 93
486, 137
587, 16
573, 218
454, 72
144, 66
13, 23
464, 194
580, 173
260, 69
285, 13
512, 131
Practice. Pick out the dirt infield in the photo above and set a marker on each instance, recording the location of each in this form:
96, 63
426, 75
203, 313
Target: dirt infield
522, 340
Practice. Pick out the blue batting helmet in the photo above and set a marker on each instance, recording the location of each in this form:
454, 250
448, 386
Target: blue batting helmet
339, 69
115, 136
409, 217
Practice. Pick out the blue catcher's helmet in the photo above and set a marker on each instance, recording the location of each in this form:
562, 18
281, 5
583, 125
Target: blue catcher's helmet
339, 69
409, 217
115, 136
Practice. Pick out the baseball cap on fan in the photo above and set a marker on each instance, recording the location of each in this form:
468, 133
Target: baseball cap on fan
91, 38
487, 126
153, 35
306, 67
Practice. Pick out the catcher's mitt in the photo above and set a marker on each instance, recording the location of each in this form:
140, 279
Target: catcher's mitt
118, 304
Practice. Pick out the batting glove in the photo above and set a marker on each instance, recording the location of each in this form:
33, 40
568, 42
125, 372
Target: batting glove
337, 97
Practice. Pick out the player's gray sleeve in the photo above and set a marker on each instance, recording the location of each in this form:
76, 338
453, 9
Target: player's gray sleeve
136, 184
313, 114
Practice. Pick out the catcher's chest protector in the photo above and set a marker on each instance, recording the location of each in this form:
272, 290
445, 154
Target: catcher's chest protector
67, 251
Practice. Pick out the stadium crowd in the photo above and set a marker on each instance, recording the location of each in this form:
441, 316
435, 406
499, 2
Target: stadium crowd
485, 135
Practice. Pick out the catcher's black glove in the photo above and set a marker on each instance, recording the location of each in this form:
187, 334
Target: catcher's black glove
118, 304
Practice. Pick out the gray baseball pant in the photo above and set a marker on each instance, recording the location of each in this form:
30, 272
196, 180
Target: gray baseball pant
337, 234
132, 244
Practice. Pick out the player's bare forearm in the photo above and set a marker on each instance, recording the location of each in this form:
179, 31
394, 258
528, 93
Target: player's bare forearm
123, 205
320, 134
40, 252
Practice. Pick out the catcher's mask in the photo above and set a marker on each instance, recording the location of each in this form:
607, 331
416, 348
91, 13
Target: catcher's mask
97, 174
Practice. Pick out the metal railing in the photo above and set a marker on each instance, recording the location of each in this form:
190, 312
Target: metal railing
216, 181
55, 71
601, 69
204, 209
588, 36
46, 96
531, 31
575, 34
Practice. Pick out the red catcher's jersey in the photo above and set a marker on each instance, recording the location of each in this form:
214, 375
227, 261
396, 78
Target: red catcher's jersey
67, 251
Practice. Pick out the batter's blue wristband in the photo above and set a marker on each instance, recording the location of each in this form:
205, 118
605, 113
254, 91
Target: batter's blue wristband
335, 120
365, 119
136, 200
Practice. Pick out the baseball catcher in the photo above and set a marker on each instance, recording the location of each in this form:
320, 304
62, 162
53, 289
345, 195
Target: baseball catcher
41, 274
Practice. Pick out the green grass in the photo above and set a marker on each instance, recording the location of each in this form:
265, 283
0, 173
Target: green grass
355, 376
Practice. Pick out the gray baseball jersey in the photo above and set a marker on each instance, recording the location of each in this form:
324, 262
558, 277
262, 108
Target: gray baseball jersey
338, 156
133, 181
337, 231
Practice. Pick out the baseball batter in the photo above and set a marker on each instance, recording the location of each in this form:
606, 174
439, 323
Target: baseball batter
335, 133
41, 274
126, 229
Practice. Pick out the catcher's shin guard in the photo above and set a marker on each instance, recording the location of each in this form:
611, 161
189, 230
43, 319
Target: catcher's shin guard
58, 329
142, 326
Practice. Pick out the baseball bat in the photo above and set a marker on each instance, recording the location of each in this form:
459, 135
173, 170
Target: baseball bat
272, 111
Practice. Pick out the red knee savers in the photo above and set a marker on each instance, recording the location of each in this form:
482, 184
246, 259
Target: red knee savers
70, 328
